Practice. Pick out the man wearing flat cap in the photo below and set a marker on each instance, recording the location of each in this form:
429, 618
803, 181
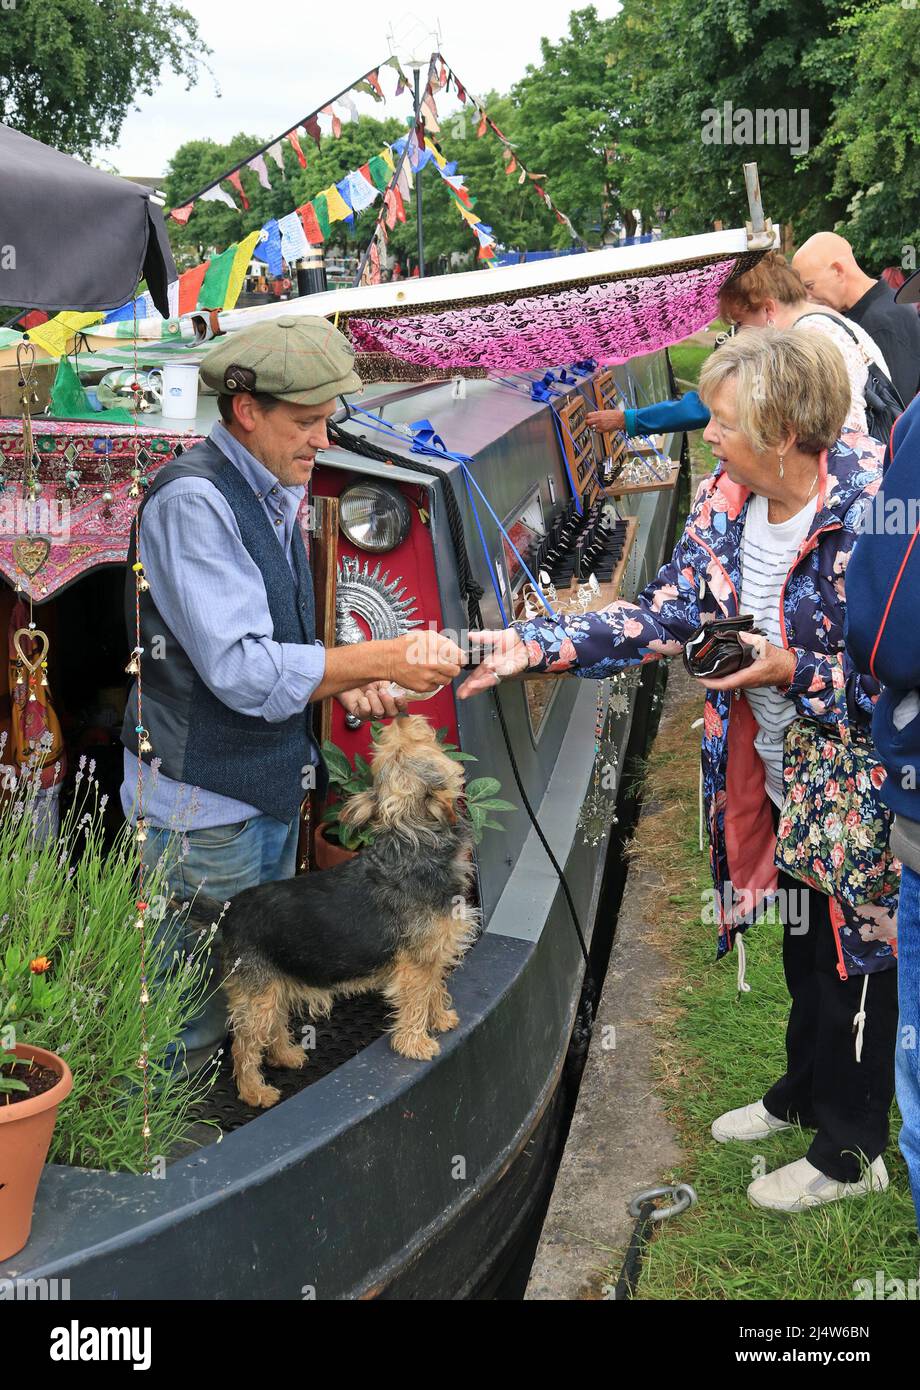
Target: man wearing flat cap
231, 661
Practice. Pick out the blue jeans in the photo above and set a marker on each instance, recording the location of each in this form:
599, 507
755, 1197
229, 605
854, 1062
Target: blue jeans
221, 860
907, 1065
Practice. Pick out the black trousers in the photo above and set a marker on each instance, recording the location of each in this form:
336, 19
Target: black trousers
824, 1086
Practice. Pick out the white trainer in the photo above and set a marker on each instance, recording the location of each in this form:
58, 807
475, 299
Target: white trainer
801, 1185
750, 1122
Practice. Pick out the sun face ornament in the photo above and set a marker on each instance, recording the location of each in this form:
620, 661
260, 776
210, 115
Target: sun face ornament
365, 593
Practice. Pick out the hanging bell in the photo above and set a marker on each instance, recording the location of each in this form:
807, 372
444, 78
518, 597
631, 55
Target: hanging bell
145, 746
133, 667
145, 997
141, 832
143, 585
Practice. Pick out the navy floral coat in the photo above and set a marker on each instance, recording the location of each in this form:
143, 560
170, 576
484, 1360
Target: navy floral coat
700, 582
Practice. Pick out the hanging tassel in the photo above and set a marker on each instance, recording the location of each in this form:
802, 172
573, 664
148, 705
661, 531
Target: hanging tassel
859, 1020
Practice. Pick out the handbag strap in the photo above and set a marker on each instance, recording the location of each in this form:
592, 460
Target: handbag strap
840, 698
839, 320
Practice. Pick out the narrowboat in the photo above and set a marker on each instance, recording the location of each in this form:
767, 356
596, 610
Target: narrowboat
377, 1176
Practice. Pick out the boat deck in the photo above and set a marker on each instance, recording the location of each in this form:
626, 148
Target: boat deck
354, 1024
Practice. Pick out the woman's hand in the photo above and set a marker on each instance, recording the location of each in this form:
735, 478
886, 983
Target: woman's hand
773, 666
507, 656
606, 419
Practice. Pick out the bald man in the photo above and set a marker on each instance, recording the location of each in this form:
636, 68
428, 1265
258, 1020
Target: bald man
832, 276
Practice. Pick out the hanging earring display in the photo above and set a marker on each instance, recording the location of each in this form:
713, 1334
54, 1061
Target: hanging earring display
598, 814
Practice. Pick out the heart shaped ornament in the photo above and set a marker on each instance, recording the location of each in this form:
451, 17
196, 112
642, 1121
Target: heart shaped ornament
37, 635
30, 555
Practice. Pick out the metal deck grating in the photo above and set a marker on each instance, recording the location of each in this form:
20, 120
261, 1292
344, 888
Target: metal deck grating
354, 1024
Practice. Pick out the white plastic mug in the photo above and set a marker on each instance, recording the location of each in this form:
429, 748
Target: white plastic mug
176, 388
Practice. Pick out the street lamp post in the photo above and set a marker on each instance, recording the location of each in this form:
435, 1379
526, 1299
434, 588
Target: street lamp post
417, 73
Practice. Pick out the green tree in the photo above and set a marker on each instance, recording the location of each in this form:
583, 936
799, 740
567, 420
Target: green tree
70, 70
568, 122
871, 149
678, 61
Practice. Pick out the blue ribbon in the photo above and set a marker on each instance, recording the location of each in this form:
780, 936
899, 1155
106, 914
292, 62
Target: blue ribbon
427, 442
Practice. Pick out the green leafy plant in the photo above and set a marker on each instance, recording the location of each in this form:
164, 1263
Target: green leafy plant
481, 798
10, 1083
71, 980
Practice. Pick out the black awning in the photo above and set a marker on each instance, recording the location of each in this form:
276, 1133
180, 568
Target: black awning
72, 237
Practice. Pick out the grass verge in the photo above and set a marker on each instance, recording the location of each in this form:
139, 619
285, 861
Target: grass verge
716, 1050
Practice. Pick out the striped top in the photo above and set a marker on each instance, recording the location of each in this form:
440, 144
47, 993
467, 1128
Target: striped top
768, 550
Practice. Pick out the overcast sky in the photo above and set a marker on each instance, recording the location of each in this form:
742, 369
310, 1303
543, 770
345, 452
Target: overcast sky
275, 64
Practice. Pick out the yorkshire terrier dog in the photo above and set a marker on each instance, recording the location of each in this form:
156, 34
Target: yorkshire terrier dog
392, 919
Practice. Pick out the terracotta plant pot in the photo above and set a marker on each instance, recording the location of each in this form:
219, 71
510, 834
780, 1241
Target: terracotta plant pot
26, 1127
326, 854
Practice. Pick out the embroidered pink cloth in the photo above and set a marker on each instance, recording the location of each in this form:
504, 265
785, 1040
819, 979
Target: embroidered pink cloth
68, 531
610, 322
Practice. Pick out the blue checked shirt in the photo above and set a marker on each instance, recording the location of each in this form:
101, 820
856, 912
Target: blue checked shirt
211, 596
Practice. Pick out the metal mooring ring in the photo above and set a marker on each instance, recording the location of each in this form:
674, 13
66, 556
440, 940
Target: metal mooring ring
682, 1194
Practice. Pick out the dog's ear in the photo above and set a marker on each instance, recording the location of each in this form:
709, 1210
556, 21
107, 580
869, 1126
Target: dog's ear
359, 809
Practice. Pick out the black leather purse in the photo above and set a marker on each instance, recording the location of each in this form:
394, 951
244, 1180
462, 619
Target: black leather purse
715, 650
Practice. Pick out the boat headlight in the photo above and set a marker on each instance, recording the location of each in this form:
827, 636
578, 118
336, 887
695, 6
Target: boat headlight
374, 516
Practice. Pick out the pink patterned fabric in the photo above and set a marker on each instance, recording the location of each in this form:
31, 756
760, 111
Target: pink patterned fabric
610, 322
70, 531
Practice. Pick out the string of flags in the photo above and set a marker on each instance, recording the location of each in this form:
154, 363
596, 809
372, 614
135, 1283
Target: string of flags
217, 282
440, 76
341, 108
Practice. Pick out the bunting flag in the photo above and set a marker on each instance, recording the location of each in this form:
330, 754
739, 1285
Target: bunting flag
511, 159
217, 195
321, 213
190, 287
224, 276
402, 81
336, 207
294, 143
238, 185
310, 223
369, 84
52, 337
269, 248
294, 242
361, 192
395, 207
276, 153
336, 123
257, 165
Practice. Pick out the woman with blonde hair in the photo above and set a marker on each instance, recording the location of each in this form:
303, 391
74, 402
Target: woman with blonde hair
769, 534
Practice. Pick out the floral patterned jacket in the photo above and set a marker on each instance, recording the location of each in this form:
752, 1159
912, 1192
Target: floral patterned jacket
700, 582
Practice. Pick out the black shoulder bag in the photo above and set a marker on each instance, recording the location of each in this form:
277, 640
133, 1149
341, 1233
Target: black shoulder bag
883, 404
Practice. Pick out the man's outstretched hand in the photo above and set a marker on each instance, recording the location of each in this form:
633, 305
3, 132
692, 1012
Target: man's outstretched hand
505, 656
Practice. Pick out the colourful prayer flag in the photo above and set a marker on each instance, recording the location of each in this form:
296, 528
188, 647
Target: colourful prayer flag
311, 228
295, 146
238, 185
